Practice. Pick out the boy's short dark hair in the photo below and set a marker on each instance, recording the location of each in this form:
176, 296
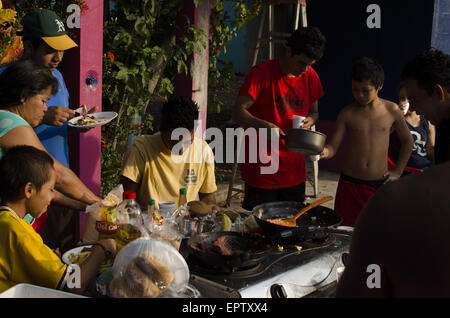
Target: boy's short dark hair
367, 69
20, 165
179, 112
429, 68
24, 79
308, 41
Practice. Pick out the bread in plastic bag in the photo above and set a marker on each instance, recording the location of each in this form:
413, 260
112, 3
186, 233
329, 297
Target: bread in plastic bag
145, 265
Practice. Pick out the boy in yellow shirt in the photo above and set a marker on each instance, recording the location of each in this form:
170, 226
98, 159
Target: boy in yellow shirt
157, 166
27, 186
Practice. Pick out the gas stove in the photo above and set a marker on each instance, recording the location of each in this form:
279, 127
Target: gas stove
286, 273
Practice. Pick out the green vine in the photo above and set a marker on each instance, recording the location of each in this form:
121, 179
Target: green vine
142, 55
225, 25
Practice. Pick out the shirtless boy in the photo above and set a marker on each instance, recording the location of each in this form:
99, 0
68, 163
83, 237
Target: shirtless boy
367, 123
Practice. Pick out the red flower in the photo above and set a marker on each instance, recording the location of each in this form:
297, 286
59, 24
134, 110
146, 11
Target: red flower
84, 7
138, 125
111, 56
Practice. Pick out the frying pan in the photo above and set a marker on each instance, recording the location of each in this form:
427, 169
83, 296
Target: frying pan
304, 141
315, 219
247, 249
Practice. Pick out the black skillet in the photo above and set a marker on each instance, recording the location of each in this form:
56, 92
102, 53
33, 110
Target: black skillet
317, 220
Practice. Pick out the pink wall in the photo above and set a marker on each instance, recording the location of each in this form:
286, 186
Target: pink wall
195, 84
83, 66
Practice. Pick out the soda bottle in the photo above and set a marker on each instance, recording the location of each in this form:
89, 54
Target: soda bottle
150, 207
182, 200
150, 210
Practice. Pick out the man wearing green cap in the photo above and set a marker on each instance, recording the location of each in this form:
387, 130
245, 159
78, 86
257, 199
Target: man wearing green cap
45, 39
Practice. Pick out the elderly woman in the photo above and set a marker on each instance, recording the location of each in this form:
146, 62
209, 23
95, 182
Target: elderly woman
24, 89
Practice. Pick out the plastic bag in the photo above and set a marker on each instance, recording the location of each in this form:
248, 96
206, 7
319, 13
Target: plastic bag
149, 268
167, 231
102, 216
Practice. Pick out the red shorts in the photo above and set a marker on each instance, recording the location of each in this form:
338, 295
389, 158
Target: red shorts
352, 195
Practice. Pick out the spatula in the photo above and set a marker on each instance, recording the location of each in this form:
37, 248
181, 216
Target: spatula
292, 222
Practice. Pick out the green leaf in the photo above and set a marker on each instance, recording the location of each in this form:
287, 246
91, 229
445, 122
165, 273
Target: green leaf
122, 74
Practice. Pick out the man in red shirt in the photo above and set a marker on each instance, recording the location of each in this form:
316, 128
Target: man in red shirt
273, 92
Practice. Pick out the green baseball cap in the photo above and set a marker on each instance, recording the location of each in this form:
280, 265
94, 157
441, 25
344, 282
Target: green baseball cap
47, 25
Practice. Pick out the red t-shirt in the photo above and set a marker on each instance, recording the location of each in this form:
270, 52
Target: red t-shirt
277, 98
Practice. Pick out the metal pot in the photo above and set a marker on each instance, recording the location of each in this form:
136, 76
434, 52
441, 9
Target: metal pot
305, 141
316, 219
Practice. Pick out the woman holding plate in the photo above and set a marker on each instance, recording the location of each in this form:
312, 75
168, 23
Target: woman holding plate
24, 89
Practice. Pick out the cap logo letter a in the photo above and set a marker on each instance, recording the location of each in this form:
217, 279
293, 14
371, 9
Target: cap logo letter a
60, 26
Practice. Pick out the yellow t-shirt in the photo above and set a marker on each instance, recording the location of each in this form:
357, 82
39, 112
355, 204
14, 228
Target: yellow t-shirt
161, 173
24, 258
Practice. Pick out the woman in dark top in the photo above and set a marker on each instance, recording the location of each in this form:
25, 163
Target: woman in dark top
423, 133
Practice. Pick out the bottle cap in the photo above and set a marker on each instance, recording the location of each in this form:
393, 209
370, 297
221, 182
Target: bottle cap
129, 195
151, 202
183, 191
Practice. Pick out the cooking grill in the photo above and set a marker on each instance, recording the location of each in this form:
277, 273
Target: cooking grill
284, 272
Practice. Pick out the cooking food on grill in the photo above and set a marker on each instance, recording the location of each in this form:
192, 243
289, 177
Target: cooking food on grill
144, 277
220, 245
229, 244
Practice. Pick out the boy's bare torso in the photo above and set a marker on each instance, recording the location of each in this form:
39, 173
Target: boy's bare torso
368, 129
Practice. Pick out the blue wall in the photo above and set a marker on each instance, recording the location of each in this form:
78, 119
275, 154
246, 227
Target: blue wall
441, 26
236, 48
405, 31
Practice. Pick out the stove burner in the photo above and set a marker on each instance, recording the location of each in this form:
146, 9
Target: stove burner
266, 278
225, 272
197, 266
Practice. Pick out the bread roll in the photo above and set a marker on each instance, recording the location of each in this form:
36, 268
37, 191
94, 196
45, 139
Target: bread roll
144, 277
199, 208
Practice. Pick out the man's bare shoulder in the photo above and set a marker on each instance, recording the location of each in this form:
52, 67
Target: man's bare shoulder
348, 110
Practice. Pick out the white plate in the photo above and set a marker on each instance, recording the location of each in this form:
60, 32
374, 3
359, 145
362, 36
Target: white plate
103, 117
160, 250
76, 250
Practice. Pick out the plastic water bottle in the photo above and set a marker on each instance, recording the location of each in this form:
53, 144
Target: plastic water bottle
128, 210
129, 219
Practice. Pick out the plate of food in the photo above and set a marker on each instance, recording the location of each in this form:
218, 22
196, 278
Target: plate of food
92, 120
79, 254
